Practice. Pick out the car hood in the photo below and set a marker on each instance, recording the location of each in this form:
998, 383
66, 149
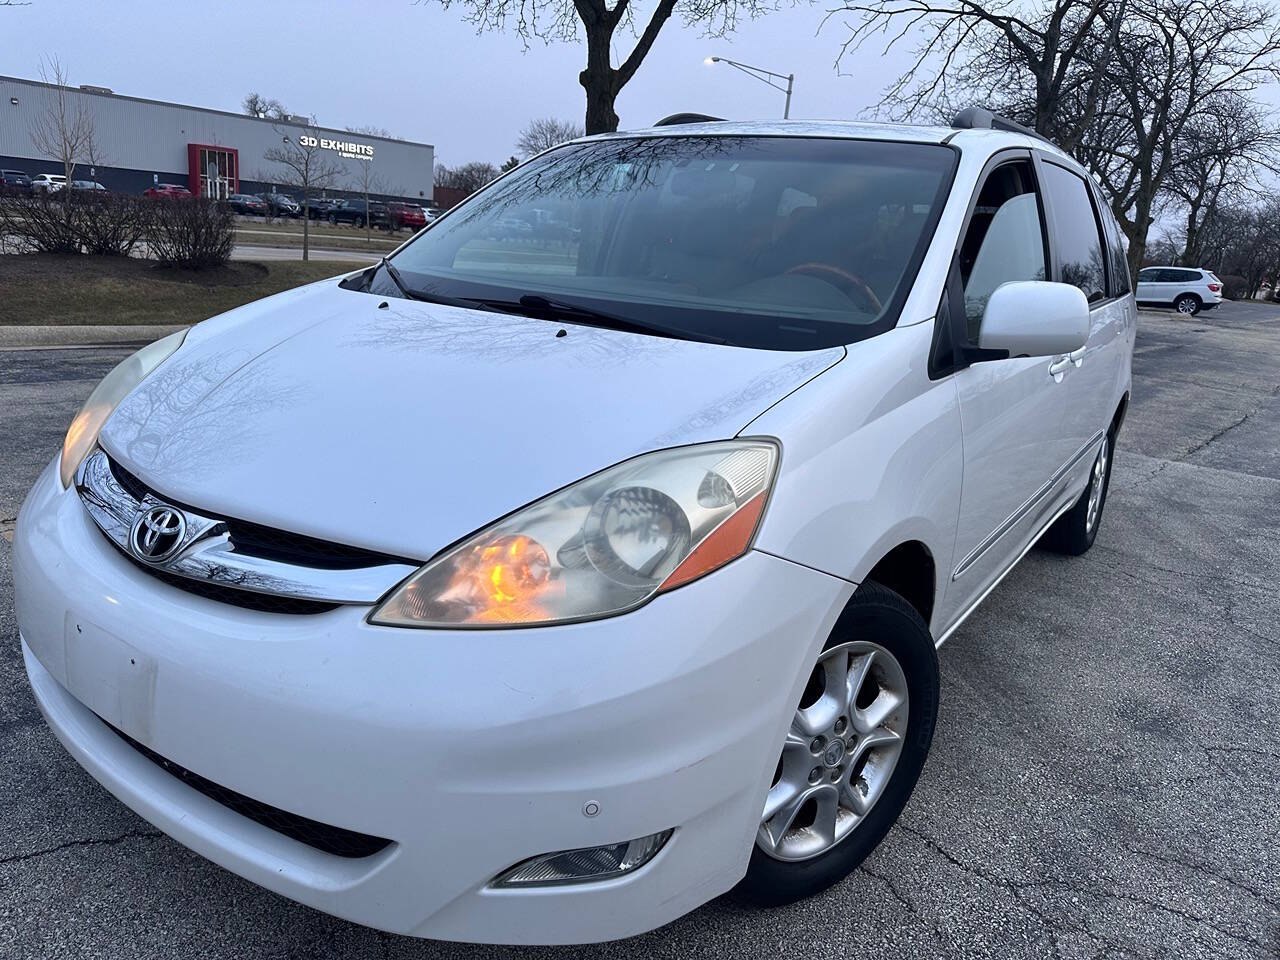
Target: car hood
403, 426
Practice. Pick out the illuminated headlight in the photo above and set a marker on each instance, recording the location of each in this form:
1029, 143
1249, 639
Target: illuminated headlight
82, 435
599, 547
589, 863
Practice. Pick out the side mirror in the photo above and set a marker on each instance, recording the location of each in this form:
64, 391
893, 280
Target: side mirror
1035, 318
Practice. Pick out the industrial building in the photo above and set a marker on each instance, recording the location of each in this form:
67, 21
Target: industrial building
137, 143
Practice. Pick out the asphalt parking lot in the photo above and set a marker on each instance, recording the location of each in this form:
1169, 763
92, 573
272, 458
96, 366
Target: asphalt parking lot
1103, 780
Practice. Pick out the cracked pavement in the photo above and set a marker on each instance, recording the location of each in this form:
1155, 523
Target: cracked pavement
1103, 781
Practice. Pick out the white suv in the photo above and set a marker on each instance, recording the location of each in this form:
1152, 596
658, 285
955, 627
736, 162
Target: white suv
48, 182
1187, 289
541, 591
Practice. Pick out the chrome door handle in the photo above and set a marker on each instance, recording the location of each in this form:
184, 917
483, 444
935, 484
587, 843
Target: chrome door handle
1058, 368
1077, 356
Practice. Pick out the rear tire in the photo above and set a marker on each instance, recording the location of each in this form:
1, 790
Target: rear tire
891, 649
1188, 305
1073, 533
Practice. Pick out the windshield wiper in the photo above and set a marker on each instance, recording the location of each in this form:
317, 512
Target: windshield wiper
394, 274
588, 316
412, 294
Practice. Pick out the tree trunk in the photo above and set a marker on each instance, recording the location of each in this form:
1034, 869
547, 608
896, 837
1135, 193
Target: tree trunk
600, 81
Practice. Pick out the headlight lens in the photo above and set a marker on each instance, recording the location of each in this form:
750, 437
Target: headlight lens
599, 547
115, 386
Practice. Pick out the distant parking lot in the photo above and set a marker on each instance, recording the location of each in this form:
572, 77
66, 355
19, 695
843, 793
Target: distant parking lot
1103, 780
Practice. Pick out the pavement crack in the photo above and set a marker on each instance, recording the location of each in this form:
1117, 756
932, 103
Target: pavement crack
1018, 887
907, 905
93, 842
1216, 436
1199, 868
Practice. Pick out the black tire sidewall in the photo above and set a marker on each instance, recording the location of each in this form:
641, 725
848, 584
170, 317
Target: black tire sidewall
882, 616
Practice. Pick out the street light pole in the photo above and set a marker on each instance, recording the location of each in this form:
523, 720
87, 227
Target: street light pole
766, 77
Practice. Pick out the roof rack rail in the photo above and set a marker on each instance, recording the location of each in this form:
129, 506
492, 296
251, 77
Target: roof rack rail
678, 118
978, 118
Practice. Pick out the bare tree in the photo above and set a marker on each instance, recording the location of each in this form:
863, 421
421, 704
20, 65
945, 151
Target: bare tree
1218, 158
369, 130
266, 108
552, 20
64, 130
469, 177
1121, 84
366, 181
1025, 61
545, 133
305, 167
1176, 66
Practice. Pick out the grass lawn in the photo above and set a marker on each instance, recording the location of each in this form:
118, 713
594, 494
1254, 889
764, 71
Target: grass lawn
288, 233
49, 289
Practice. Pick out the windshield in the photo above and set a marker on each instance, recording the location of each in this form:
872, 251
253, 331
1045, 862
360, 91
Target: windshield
782, 243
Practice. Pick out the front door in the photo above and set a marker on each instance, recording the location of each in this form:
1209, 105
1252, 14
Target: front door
1011, 410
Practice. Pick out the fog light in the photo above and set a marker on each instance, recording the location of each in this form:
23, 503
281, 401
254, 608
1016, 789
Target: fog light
584, 865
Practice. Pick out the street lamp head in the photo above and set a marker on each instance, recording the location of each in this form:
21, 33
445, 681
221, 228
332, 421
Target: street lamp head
711, 60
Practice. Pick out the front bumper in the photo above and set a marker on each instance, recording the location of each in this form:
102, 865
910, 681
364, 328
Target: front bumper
470, 751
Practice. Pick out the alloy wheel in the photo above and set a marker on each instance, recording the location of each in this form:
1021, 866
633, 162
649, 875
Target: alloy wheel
840, 752
1097, 483
1187, 306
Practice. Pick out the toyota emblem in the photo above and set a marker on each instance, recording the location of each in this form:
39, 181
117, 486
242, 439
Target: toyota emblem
157, 533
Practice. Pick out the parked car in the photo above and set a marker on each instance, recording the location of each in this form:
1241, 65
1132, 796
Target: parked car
247, 205
1187, 289
88, 186
405, 216
167, 190
318, 208
281, 204
354, 213
552, 619
15, 182
431, 213
48, 182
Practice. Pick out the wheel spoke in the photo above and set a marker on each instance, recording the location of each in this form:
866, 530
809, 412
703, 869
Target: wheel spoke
852, 795
876, 738
787, 810
824, 822
836, 669
780, 796
858, 675
869, 720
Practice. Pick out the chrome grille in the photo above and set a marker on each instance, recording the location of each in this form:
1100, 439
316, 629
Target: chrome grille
227, 559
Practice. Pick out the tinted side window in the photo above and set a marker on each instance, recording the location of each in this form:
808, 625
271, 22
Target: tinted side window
1149, 275
1004, 241
1079, 240
1187, 276
1116, 258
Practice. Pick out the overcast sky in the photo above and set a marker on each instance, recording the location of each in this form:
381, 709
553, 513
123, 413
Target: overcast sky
420, 71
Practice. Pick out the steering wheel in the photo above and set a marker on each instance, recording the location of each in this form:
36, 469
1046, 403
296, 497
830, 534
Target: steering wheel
849, 283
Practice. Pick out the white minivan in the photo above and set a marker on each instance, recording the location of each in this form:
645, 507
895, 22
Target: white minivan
540, 590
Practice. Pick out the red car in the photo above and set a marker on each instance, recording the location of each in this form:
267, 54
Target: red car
402, 215
167, 190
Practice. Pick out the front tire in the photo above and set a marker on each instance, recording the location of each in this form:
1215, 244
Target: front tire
853, 753
1073, 533
1188, 305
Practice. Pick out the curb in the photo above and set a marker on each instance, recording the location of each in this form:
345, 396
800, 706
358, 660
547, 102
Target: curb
35, 337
